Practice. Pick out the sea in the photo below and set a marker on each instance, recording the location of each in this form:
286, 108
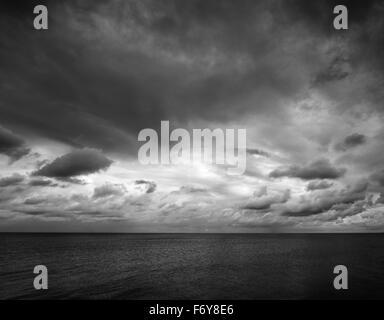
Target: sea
191, 266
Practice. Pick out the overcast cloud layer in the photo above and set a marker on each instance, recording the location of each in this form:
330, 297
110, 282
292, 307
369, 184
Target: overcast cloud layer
74, 98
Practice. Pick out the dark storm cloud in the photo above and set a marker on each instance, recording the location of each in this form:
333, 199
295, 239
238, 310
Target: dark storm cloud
90, 89
196, 60
150, 185
319, 185
11, 145
75, 163
361, 47
328, 200
14, 180
369, 47
320, 169
351, 141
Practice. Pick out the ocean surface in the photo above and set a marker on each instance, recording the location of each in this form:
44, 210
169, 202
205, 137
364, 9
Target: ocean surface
191, 266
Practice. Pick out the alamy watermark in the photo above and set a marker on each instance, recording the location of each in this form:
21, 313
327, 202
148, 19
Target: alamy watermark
211, 146
40, 282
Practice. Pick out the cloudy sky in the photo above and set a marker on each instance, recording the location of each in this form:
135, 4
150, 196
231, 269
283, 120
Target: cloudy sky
73, 99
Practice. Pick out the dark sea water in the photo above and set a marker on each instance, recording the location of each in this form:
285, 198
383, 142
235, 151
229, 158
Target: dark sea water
191, 266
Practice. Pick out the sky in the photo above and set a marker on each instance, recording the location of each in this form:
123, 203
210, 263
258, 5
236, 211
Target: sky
73, 99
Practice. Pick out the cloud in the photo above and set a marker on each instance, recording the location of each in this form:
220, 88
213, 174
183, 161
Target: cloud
351, 141
75, 163
320, 169
378, 177
34, 201
216, 63
42, 183
11, 145
327, 200
261, 192
338, 69
108, 190
188, 189
13, 180
150, 185
264, 201
276, 68
258, 152
319, 185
